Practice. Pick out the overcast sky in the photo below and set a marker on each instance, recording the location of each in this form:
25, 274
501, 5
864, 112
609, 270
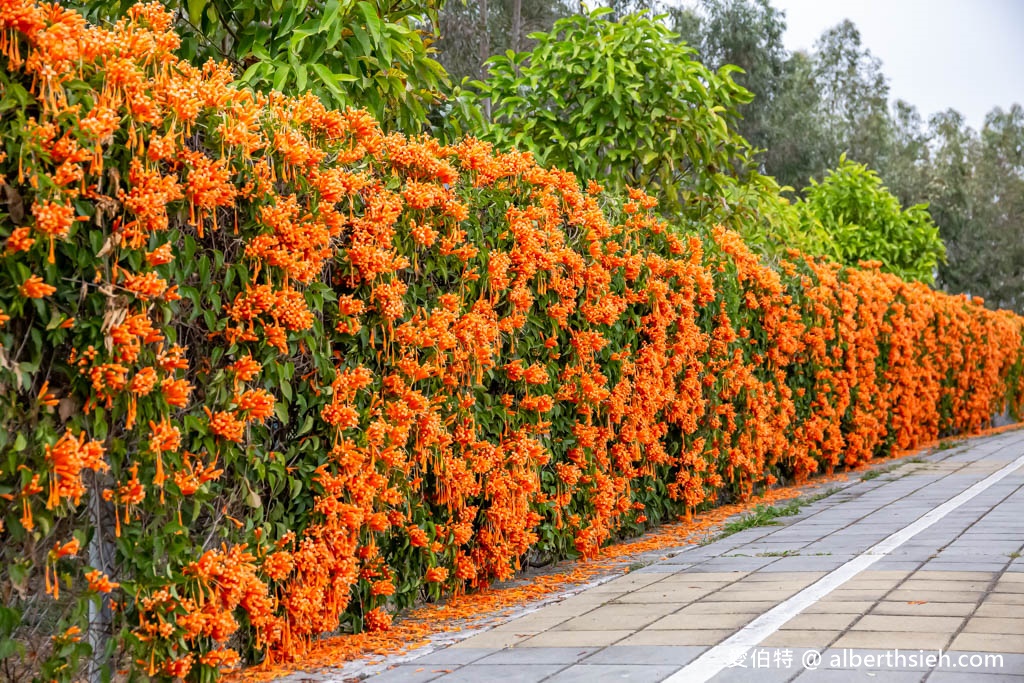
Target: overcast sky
937, 54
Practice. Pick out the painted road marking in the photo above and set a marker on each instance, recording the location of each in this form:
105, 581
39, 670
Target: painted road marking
737, 645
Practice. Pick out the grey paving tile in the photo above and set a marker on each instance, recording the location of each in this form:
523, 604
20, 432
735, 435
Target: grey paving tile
982, 662
973, 677
539, 655
663, 568
507, 673
738, 674
849, 676
940, 566
874, 660
408, 673
634, 673
454, 656
677, 655
806, 564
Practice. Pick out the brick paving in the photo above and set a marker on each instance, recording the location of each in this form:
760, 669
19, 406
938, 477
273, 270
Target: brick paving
956, 586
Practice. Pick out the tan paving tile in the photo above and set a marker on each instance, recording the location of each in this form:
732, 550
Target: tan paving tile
816, 639
649, 637
884, 574
683, 595
630, 582
953, 586
566, 610
1006, 626
587, 598
574, 639
988, 642
494, 640
887, 640
613, 610
927, 609
819, 622
882, 622
689, 622
790, 585
710, 576
932, 575
871, 584
732, 607
853, 594
1005, 598
753, 595
840, 607
702, 580
529, 624
1013, 576
589, 622
767, 577
999, 610
1005, 586
901, 595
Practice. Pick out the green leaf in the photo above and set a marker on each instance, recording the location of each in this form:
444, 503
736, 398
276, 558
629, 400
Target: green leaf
373, 21
281, 77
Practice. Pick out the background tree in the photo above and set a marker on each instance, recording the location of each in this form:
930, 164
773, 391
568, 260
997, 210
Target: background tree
976, 190
747, 34
463, 45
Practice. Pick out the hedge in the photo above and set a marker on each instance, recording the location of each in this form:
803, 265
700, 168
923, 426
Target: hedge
267, 373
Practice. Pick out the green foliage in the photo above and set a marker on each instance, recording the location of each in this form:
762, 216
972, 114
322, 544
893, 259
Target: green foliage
622, 102
975, 189
371, 54
769, 222
866, 222
747, 33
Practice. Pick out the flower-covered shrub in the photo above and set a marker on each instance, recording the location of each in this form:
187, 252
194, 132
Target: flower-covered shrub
267, 373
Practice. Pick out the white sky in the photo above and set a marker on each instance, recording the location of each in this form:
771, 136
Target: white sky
937, 54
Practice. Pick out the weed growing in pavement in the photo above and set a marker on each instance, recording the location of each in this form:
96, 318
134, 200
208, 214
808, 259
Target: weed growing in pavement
875, 474
779, 553
765, 515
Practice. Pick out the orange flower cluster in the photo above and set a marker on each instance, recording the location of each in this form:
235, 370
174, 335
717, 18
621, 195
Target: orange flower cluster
375, 369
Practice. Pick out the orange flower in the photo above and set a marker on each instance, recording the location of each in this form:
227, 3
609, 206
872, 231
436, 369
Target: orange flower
20, 240
225, 424
46, 397
35, 288
160, 256
100, 582
245, 369
69, 549
435, 575
377, 620
257, 404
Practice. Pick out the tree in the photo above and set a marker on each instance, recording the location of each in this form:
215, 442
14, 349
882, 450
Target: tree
797, 141
976, 190
372, 54
867, 223
747, 34
854, 95
621, 103
466, 40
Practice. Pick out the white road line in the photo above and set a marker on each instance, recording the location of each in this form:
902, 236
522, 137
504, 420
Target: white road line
730, 650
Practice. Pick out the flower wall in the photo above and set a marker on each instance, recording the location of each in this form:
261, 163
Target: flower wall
267, 373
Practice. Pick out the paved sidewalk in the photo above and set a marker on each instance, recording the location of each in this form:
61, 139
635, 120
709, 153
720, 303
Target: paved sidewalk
955, 586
